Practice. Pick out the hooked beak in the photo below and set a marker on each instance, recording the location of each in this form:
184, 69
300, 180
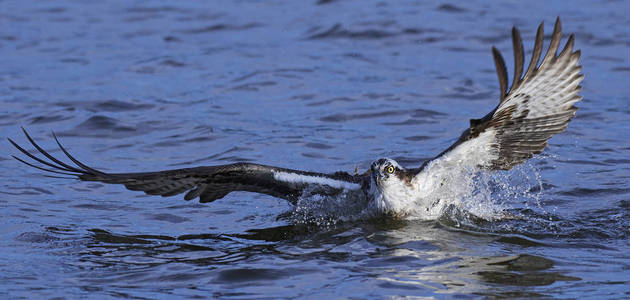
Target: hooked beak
377, 177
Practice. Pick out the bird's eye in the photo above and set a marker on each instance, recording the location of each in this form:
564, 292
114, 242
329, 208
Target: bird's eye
390, 169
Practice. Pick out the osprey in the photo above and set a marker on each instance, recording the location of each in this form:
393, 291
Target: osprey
537, 105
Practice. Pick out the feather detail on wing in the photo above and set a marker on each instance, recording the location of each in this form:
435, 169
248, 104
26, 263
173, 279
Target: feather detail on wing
208, 183
538, 105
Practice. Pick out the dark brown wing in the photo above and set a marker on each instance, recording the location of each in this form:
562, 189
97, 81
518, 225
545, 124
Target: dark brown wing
208, 183
537, 106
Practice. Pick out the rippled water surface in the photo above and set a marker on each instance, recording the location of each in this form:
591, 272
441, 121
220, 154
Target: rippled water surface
314, 85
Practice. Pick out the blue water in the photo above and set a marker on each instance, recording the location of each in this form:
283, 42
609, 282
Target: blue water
314, 85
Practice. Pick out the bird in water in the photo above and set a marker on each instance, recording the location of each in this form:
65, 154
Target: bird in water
537, 105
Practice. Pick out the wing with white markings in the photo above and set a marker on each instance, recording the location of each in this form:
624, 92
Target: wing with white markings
538, 105
208, 183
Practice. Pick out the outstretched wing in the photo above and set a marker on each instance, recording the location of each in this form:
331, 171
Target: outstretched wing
208, 183
537, 106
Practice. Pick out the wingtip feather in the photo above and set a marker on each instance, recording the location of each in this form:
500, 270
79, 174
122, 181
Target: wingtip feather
85, 168
568, 47
538, 44
501, 71
519, 58
554, 44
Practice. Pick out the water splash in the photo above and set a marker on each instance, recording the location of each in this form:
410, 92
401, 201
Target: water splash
463, 197
501, 195
322, 210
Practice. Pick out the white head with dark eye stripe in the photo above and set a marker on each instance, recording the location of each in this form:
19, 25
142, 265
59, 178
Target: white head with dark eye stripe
384, 169
390, 186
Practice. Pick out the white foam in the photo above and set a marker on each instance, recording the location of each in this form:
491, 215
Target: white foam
308, 179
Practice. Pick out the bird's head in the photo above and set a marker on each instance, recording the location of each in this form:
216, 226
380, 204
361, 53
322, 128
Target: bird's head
386, 172
390, 187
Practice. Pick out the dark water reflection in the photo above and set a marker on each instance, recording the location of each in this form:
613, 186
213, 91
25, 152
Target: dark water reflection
400, 257
318, 85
